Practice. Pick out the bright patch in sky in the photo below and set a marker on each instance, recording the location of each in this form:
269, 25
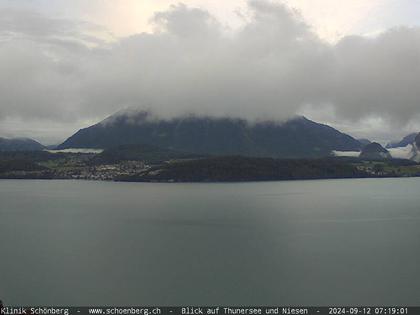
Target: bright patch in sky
330, 19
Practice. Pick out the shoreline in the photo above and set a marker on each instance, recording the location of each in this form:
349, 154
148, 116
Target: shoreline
200, 181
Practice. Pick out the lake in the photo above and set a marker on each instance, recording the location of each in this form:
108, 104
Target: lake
320, 242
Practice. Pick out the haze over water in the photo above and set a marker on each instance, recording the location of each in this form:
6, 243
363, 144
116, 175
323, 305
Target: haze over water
318, 242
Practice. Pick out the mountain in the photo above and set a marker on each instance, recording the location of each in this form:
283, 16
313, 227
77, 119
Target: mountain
374, 151
416, 149
408, 150
20, 144
402, 143
298, 137
138, 152
364, 142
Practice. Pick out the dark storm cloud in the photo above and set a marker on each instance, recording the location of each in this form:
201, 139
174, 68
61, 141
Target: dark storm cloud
270, 68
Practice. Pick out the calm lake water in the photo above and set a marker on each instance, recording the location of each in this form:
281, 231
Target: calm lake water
293, 242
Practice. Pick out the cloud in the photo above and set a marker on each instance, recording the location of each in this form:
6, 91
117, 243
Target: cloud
191, 65
402, 153
273, 67
346, 153
378, 76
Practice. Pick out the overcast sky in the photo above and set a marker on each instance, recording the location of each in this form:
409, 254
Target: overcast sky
66, 64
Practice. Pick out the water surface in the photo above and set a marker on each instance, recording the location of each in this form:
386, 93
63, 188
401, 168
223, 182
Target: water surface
293, 242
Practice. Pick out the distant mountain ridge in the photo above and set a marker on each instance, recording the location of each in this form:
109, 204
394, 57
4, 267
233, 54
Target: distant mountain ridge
298, 137
409, 147
19, 144
409, 139
416, 149
374, 151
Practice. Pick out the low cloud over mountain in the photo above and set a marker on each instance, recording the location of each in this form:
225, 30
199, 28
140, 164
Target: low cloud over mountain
296, 138
273, 67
